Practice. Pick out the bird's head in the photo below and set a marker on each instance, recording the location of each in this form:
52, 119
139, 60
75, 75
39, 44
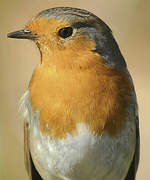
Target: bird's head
74, 34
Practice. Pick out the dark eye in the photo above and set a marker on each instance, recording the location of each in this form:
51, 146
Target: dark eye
65, 32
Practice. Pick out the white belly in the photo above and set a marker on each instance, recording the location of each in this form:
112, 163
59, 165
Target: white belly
84, 156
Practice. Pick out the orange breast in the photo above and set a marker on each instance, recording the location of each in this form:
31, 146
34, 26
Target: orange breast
97, 96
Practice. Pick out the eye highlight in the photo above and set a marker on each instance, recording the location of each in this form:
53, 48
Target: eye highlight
65, 32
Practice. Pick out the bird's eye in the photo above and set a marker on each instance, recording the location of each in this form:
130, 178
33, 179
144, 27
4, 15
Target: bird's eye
65, 32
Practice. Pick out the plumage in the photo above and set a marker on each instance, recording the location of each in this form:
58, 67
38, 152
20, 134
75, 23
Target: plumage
80, 110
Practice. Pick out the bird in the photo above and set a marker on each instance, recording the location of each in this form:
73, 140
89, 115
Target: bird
80, 109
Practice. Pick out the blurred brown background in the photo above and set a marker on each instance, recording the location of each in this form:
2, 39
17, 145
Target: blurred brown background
130, 23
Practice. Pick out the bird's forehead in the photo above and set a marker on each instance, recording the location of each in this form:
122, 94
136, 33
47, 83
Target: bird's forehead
46, 24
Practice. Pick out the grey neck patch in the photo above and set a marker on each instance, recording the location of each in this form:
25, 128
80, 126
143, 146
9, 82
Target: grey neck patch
108, 48
106, 45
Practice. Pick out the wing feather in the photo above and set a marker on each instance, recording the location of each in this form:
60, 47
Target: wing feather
26, 108
131, 175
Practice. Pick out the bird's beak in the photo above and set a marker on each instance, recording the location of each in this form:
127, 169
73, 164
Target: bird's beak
22, 34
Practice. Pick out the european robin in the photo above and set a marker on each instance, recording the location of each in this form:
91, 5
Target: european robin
80, 110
